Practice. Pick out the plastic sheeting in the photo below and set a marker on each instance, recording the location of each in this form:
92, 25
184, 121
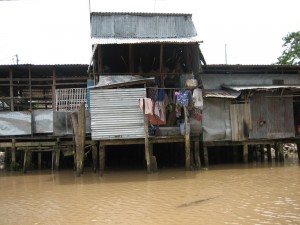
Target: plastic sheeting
15, 123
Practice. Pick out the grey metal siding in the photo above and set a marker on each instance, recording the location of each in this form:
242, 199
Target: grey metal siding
142, 26
115, 113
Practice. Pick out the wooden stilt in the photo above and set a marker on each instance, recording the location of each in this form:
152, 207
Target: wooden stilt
147, 147
276, 152
262, 153
79, 133
101, 158
269, 154
187, 142
27, 161
197, 155
57, 157
39, 160
281, 153
94, 155
13, 155
298, 150
52, 161
153, 159
245, 152
205, 153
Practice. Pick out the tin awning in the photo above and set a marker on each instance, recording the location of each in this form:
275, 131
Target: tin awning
221, 94
259, 87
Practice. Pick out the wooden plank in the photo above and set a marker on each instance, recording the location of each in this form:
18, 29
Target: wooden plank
147, 147
240, 119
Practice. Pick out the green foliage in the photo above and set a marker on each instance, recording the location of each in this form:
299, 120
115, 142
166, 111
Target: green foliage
291, 54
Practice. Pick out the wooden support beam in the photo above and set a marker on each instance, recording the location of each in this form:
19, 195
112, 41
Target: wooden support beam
27, 161
205, 155
277, 152
298, 150
13, 155
281, 153
53, 90
147, 147
197, 155
262, 152
269, 154
39, 160
11, 90
94, 155
153, 161
245, 152
57, 157
101, 158
187, 142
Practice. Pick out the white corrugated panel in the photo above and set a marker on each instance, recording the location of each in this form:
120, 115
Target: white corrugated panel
115, 113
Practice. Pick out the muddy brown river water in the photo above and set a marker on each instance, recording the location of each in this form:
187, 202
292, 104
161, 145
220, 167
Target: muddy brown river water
232, 194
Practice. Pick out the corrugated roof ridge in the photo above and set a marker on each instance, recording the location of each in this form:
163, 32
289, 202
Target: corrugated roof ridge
142, 13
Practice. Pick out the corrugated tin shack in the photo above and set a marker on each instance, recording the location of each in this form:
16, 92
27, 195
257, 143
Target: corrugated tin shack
250, 105
160, 47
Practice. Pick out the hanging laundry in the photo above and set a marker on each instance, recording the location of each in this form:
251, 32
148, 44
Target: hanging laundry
198, 98
184, 98
148, 105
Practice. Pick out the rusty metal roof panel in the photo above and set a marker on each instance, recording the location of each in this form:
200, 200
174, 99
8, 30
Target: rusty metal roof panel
134, 25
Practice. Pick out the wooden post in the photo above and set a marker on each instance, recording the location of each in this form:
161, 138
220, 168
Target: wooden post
262, 153
281, 153
101, 158
27, 161
205, 154
53, 90
268, 146
276, 152
13, 155
187, 142
298, 150
94, 155
39, 160
11, 90
197, 154
147, 147
79, 133
57, 157
152, 159
245, 152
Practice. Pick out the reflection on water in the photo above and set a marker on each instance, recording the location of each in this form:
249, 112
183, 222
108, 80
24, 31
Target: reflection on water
232, 194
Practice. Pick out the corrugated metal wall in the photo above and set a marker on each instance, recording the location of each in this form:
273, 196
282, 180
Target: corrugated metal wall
115, 113
142, 26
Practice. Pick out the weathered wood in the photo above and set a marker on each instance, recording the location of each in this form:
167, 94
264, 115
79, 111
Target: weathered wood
276, 152
81, 132
262, 152
245, 152
147, 147
269, 154
94, 155
298, 150
11, 90
27, 161
53, 90
197, 155
101, 158
205, 155
13, 155
187, 142
153, 162
57, 157
281, 153
39, 160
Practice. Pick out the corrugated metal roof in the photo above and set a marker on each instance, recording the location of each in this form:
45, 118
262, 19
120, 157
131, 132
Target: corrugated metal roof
107, 41
135, 25
260, 87
221, 94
